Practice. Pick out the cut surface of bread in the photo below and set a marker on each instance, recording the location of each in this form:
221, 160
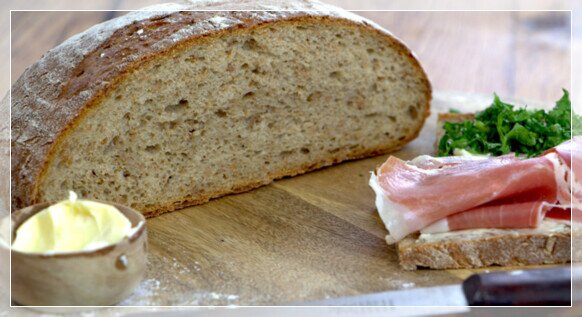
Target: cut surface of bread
550, 243
221, 111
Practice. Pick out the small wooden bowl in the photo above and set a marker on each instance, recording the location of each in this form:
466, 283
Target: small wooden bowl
88, 278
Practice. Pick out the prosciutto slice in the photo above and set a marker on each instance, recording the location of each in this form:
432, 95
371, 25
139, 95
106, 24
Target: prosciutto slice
518, 215
452, 193
571, 190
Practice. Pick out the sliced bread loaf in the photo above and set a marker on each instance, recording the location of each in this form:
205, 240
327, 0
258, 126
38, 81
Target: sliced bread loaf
168, 108
550, 243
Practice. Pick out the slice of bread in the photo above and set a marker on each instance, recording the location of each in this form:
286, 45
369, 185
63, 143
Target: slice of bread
464, 249
170, 108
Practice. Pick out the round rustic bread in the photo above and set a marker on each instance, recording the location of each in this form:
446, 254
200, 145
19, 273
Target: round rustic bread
167, 108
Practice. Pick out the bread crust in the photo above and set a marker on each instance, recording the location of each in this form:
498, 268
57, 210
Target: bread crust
55, 93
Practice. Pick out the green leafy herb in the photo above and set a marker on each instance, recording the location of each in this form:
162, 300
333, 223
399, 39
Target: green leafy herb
501, 129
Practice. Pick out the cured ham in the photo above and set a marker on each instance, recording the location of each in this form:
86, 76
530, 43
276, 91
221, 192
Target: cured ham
452, 193
518, 215
570, 151
571, 190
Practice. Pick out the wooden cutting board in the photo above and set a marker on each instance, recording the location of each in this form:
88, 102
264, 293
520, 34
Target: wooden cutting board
304, 238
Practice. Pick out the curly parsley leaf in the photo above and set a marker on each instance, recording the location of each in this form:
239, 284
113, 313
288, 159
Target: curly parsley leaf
501, 129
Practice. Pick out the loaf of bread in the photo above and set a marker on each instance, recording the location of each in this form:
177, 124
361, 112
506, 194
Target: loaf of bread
474, 248
167, 108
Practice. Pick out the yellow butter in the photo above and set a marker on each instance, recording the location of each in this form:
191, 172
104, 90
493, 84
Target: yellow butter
72, 225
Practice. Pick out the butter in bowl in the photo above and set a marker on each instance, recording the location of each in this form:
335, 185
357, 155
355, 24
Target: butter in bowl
76, 253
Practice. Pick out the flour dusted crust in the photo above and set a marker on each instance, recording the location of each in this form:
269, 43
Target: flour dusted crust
55, 93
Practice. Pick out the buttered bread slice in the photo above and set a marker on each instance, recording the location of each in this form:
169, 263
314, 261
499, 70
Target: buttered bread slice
167, 108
